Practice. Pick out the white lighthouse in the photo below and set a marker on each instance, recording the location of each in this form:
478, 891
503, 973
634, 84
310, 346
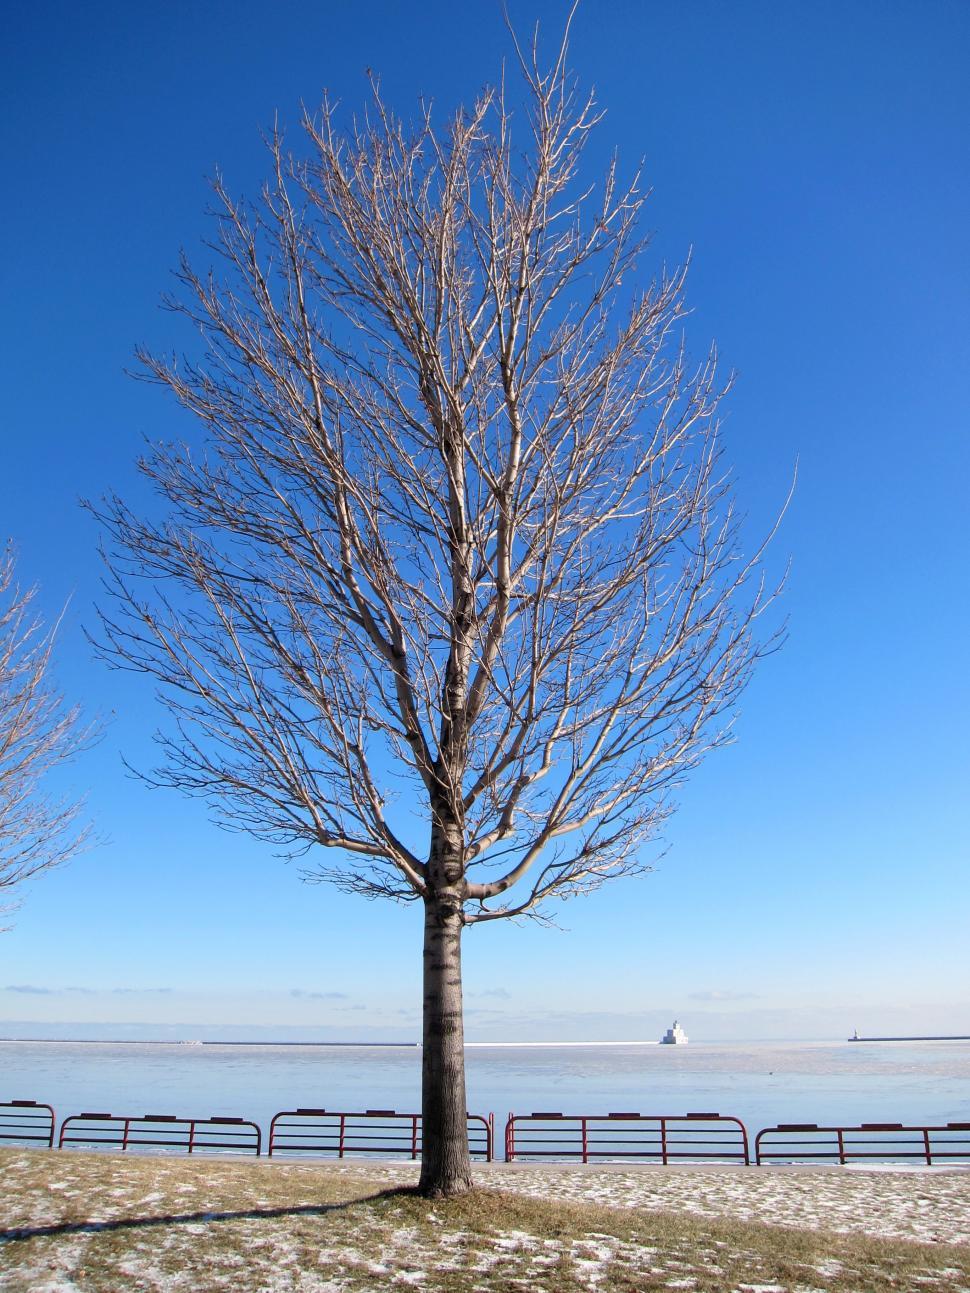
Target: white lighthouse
674, 1036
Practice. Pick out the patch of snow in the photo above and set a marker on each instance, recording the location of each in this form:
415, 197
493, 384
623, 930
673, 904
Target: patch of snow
880, 1204
513, 1240
905, 1169
829, 1268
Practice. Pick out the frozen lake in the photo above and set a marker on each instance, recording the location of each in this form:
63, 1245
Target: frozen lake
760, 1082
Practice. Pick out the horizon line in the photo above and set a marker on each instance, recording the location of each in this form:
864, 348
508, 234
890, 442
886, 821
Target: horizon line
222, 1041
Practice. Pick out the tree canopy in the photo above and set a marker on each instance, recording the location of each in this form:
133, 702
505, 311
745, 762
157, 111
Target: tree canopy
450, 583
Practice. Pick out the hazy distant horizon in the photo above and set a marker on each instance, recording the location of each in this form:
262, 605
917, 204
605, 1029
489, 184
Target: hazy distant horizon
754, 1027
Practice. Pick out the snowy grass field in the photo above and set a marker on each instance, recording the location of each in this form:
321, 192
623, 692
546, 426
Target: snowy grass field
106, 1223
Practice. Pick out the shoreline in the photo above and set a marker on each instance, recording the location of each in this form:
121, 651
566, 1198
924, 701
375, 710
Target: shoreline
196, 1043
213, 1041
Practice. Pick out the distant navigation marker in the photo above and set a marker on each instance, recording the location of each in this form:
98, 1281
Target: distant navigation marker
952, 1038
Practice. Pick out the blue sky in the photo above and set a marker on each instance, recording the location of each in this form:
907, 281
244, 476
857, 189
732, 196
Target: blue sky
814, 159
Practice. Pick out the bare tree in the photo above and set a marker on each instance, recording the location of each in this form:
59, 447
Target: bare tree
452, 586
37, 735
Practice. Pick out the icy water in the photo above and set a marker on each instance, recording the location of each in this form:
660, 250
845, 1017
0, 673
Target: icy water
761, 1082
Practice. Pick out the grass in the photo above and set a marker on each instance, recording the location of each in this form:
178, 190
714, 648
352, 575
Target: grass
105, 1223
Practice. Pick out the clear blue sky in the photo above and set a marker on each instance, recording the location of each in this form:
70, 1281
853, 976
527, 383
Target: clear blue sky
815, 159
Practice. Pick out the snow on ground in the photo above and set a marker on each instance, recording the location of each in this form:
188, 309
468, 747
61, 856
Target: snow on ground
927, 1206
174, 1227
893, 1205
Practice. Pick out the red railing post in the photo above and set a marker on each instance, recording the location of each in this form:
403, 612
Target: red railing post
414, 1136
871, 1145
191, 1135
630, 1136
340, 1149
27, 1121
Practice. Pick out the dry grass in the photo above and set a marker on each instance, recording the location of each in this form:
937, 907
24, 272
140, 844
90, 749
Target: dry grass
104, 1223
925, 1206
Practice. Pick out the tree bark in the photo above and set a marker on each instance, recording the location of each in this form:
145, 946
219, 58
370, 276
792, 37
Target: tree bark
445, 1164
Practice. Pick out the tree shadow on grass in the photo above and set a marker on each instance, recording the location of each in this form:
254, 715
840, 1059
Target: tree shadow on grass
20, 1233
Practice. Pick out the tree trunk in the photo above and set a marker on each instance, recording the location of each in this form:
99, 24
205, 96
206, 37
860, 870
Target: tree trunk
445, 1164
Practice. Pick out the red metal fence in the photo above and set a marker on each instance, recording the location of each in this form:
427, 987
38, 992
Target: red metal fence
27, 1122
797, 1142
375, 1131
662, 1138
589, 1138
161, 1131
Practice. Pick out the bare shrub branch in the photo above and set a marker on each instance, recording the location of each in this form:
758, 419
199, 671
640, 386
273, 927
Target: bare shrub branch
37, 735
